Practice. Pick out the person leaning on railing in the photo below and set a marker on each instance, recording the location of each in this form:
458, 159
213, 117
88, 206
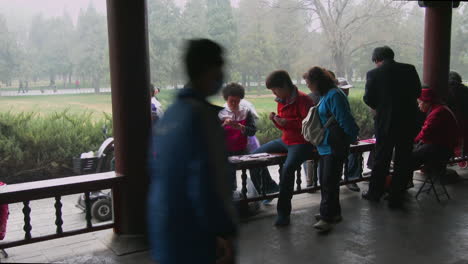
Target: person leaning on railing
293, 107
335, 145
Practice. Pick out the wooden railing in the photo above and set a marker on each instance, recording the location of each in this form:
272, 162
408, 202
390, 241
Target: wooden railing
56, 188
279, 159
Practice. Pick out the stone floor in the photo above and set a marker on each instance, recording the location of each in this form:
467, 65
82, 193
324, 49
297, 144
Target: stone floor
425, 232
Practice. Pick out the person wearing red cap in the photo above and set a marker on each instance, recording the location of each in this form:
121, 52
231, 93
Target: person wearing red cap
439, 134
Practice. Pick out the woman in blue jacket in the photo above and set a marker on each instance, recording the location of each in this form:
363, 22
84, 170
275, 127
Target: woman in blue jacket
335, 145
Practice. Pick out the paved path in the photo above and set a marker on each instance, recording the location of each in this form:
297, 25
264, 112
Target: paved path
51, 92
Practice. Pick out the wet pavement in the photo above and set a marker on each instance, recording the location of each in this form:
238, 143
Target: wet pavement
424, 232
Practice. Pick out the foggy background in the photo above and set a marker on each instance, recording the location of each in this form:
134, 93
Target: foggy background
61, 41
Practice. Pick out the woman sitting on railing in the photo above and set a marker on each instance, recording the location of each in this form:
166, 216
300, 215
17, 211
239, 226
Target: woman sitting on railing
238, 123
293, 106
334, 148
439, 135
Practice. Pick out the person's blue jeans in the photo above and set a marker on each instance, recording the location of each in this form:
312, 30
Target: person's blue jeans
353, 167
261, 178
330, 170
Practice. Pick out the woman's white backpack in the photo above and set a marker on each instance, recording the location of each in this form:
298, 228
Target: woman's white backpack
312, 128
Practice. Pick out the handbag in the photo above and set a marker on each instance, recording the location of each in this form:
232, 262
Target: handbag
312, 128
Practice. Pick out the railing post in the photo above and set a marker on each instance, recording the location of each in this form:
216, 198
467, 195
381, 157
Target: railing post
299, 180
244, 183
89, 224
27, 220
58, 214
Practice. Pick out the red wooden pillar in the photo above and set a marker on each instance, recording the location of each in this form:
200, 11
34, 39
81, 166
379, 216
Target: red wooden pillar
130, 79
437, 34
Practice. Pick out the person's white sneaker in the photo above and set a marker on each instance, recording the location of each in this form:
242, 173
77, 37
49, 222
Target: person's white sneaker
323, 226
334, 220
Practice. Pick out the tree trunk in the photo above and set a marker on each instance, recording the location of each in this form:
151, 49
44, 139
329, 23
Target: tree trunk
338, 59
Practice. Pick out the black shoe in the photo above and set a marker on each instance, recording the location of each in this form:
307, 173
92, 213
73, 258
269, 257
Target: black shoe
353, 187
282, 221
369, 197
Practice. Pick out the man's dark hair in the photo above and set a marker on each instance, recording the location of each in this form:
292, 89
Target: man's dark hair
279, 79
233, 89
321, 77
454, 78
382, 54
152, 89
202, 55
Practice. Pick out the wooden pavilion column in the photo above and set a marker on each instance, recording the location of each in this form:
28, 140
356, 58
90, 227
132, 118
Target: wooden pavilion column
130, 79
437, 34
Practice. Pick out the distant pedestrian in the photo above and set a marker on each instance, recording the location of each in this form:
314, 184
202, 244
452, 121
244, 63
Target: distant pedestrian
20, 87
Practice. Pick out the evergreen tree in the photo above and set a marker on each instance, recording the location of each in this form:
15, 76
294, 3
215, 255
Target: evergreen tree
92, 56
164, 42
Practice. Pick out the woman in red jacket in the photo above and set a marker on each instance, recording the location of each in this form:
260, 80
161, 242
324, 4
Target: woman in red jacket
293, 107
439, 134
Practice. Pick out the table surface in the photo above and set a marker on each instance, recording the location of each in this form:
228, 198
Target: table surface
266, 159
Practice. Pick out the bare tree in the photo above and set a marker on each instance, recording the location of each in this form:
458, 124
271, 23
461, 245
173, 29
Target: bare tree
343, 23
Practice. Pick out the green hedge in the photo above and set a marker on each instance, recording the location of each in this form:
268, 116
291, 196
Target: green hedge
35, 147
266, 131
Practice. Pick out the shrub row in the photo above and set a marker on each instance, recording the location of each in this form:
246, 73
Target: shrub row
36, 147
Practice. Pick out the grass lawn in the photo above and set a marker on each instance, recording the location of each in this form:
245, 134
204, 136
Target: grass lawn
47, 104
263, 100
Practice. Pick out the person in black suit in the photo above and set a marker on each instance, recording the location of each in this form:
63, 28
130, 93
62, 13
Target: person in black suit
392, 89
